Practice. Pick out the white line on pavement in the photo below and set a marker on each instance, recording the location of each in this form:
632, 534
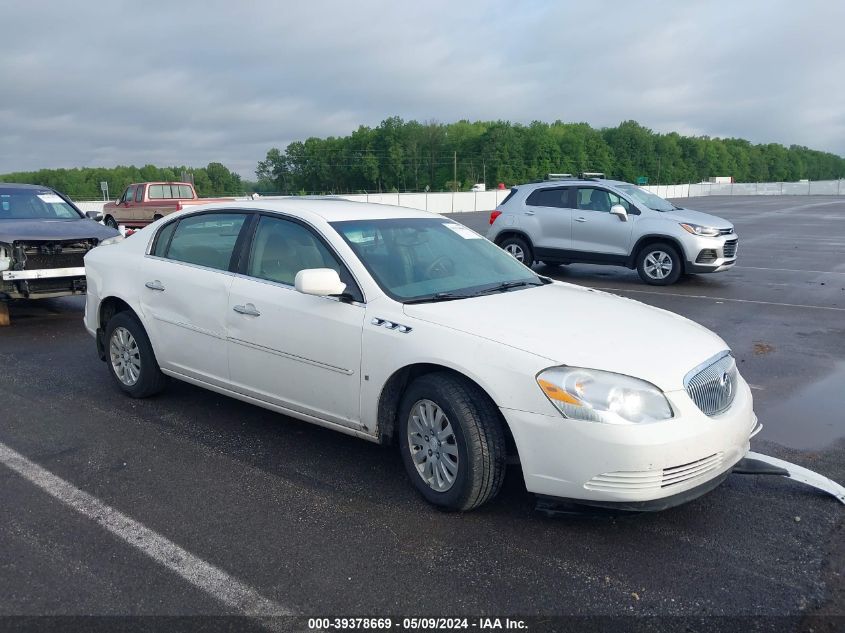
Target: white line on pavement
795, 270
202, 575
677, 294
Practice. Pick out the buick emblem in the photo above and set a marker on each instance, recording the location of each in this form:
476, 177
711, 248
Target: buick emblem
725, 383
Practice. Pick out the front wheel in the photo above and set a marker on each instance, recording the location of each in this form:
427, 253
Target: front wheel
111, 222
659, 264
452, 442
130, 357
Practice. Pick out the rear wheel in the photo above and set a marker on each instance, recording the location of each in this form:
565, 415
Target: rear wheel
518, 248
452, 442
130, 357
659, 264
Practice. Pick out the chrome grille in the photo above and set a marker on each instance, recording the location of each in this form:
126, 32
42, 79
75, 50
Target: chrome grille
646, 480
729, 249
712, 385
725, 231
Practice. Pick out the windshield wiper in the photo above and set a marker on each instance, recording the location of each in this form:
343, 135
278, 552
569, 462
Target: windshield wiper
507, 285
439, 296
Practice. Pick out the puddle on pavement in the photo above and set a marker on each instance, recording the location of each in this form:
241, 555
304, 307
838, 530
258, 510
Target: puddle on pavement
813, 418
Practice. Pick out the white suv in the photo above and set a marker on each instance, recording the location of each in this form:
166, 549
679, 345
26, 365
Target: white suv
395, 325
601, 221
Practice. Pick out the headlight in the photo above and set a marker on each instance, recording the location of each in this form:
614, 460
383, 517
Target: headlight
111, 240
602, 396
697, 229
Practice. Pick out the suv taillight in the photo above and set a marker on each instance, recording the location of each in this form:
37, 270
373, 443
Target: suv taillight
494, 214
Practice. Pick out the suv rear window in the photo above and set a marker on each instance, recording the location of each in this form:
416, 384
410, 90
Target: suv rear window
509, 196
557, 197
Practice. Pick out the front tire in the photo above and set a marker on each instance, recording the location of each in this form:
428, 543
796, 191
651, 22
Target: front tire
519, 249
111, 222
659, 264
130, 358
451, 441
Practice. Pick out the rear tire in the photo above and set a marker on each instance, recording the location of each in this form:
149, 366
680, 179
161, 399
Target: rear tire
659, 264
452, 442
519, 249
130, 358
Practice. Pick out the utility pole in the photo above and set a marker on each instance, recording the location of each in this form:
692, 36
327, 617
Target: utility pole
455, 172
658, 171
484, 172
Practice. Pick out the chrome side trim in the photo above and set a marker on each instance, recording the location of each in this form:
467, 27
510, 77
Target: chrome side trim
44, 273
301, 359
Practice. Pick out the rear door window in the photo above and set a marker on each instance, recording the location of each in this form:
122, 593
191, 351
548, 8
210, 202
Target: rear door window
551, 197
160, 192
206, 240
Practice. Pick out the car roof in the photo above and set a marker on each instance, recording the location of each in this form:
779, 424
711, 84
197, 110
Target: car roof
568, 182
328, 209
15, 185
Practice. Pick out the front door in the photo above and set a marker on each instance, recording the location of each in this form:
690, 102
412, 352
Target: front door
186, 281
596, 230
297, 351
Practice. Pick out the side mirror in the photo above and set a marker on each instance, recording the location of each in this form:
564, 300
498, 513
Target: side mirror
321, 282
97, 216
619, 211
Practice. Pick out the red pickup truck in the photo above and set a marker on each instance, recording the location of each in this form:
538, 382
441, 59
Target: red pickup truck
146, 202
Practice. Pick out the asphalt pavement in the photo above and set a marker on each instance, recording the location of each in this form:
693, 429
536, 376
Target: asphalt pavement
322, 524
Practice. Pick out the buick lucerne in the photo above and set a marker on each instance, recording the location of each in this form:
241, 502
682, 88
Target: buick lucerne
404, 327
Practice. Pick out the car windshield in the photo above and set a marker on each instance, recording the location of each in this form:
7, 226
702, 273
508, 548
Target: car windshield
648, 199
432, 259
34, 204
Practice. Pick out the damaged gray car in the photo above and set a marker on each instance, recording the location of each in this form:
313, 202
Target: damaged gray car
43, 240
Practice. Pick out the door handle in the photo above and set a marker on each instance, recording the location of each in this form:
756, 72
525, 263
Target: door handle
529, 213
248, 309
155, 285
581, 219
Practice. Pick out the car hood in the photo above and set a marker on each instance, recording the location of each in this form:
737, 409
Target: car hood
697, 217
29, 230
582, 327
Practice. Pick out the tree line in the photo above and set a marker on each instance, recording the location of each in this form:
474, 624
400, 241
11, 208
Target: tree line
83, 183
402, 155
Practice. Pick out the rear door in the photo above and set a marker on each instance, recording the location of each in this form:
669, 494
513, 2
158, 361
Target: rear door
186, 280
552, 217
290, 349
594, 229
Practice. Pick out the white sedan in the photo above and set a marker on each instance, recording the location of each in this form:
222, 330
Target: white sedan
401, 326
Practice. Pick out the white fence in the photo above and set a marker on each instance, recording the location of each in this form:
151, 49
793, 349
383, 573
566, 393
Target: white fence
808, 188
465, 201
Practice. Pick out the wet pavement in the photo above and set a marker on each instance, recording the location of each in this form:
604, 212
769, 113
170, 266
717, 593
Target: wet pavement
327, 525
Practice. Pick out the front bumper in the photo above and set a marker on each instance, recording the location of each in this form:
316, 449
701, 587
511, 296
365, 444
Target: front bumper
630, 464
710, 254
42, 283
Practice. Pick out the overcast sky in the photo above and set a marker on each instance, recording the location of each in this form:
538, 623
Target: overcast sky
102, 83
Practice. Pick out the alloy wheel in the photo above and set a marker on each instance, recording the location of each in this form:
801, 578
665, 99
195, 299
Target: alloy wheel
433, 446
125, 356
658, 265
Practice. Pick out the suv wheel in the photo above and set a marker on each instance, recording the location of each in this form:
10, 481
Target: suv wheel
111, 222
519, 249
659, 264
452, 442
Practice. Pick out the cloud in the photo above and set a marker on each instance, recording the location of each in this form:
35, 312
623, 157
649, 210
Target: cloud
188, 83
